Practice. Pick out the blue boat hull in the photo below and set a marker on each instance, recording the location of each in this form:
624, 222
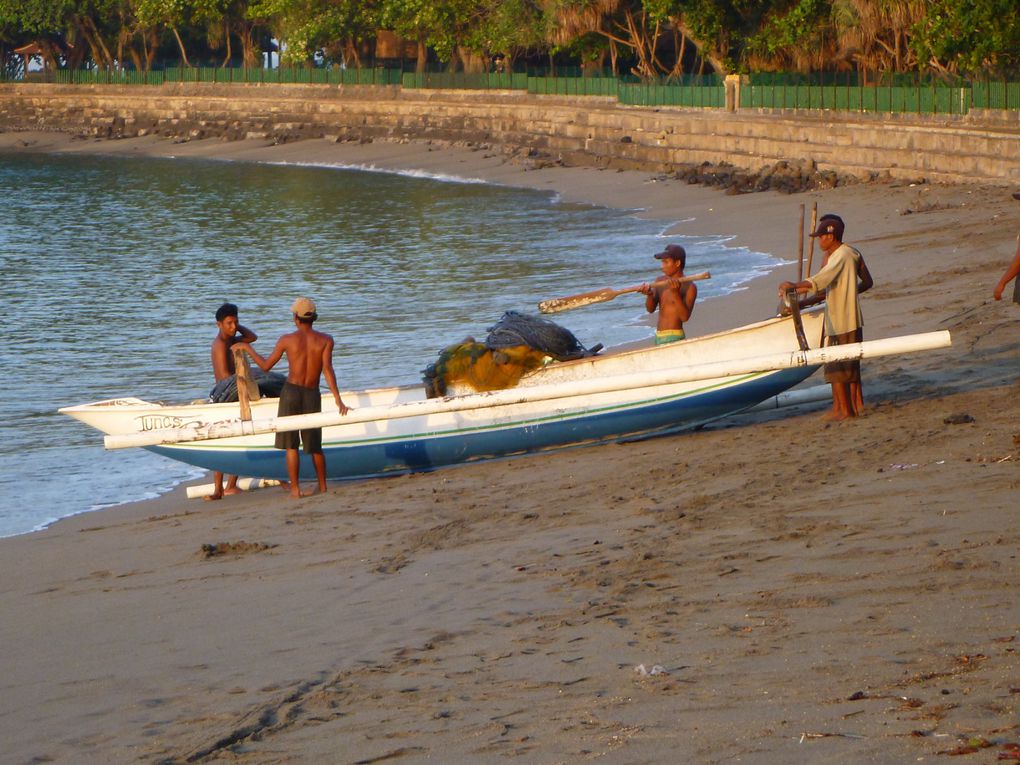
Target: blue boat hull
427, 451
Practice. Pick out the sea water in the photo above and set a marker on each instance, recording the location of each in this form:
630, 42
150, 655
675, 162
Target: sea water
113, 268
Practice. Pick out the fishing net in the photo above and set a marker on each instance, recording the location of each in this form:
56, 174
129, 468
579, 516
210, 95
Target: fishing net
516, 328
516, 345
479, 368
269, 385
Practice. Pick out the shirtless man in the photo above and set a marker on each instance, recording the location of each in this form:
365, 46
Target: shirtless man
1014, 268
675, 300
309, 356
230, 333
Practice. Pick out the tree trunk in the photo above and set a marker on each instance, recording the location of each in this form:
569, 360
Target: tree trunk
423, 56
100, 53
704, 49
680, 47
351, 54
230, 50
472, 61
132, 51
252, 57
180, 44
151, 48
638, 35
454, 60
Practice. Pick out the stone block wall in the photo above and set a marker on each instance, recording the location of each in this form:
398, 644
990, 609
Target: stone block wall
981, 147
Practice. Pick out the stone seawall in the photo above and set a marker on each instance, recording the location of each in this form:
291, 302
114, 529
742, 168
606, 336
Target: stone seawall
982, 147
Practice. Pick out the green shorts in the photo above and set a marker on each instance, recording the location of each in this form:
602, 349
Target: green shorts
665, 336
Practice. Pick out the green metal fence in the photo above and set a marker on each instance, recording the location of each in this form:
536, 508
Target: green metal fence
704, 96
107, 77
996, 95
573, 86
465, 81
855, 79
919, 99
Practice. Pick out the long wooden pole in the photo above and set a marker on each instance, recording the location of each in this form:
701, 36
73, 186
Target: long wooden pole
454, 404
800, 246
811, 243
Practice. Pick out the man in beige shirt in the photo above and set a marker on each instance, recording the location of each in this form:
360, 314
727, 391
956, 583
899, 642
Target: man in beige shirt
843, 320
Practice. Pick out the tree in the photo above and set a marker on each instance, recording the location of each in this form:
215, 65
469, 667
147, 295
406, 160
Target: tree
423, 21
171, 14
971, 37
793, 37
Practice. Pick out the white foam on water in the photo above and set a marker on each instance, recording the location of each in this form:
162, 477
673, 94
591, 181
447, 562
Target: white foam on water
370, 168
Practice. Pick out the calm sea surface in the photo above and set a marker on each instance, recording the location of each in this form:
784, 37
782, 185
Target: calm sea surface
113, 268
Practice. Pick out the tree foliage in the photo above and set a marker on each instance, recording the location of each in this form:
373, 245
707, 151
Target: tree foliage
968, 37
649, 38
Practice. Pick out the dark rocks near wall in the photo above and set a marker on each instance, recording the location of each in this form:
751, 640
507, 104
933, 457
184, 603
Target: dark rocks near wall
786, 177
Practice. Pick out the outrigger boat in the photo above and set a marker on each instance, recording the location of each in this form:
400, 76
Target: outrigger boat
625, 393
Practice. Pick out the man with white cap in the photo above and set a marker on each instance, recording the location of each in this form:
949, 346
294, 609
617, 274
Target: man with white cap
1012, 272
309, 356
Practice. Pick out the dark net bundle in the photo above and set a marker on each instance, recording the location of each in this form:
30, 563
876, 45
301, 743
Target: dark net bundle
516, 345
270, 384
539, 334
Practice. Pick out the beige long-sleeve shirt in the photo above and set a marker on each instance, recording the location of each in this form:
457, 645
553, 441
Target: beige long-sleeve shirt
838, 277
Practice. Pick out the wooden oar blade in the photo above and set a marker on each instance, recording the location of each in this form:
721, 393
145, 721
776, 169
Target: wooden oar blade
555, 305
603, 295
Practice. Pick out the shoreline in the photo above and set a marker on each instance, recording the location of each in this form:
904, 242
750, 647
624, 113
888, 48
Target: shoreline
814, 592
688, 209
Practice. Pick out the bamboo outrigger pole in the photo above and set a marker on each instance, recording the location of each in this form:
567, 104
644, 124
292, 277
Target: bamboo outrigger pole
455, 404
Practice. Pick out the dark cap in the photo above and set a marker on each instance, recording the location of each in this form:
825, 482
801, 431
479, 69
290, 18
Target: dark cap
830, 226
674, 251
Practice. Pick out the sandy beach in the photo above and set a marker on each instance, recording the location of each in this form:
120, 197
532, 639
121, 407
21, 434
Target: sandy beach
769, 589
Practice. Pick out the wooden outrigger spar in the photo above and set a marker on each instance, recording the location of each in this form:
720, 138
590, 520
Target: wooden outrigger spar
751, 365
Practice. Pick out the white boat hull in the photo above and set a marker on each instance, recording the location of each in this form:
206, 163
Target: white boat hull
410, 443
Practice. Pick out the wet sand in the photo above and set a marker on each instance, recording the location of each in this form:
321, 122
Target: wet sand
796, 591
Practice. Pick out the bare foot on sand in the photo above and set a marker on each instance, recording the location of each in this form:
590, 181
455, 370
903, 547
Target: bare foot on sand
228, 492
835, 417
212, 497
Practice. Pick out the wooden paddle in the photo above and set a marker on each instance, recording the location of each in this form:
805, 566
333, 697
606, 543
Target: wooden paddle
603, 295
247, 389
